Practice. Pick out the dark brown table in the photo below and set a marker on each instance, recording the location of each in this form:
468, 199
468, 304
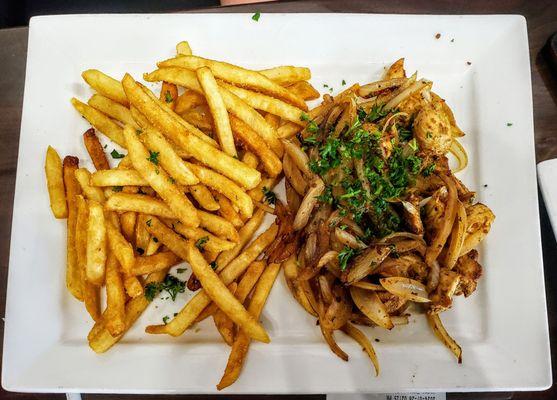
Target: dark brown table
542, 22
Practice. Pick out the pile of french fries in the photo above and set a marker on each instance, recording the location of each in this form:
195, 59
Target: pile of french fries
191, 187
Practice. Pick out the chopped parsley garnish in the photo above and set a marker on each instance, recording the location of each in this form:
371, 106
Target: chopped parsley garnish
256, 16
114, 153
165, 319
509, 124
270, 196
117, 188
376, 113
168, 97
171, 180
138, 132
427, 171
153, 157
344, 256
170, 284
148, 222
181, 270
343, 82
213, 265
200, 244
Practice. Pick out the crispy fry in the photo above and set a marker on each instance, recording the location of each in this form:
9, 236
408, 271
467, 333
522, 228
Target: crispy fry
195, 306
73, 276
105, 85
183, 48
248, 136
218, 225
117, 177
257, 193
96, 244
249, 279
237, 75
95, 150
147, 165
168, 158
100, 340
286, 74
266, 103
241, 344
272, 120
218, 110
83, 177
187, 139
245, 233
212, 243
224, 325
250, 159
190, 99
100, 121
112, 108
225, 186
140, 203
201, 118
227, 211
114, 316
167, 236
204, 197
156, 262
55, 183
219, 293
304, 90
120, 247
127, 222
169, 94
133, 286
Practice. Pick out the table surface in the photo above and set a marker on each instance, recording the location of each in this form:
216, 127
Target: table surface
542, 22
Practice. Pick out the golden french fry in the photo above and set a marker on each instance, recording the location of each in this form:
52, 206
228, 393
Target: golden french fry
120, 247
219, 293
190, 99
241, 343
167, 236
189, 313
55, 183
105, 85
272, 120
169, 94
245, 233
286, 74
73, 275
201, 118
142, 236
146, 163
127, 222
249, 279
96, 244
203, 197
210, 242
112, 108
83, 177
227, 211
225, 186
100, 340
153, 246
288, 130
271, 163
304, 90
114, 316
257, 193
140, 203
218, 110
91, 295
183, 48
100, 121
218, 226
266, 103
250, 159
133, 286
117, 177
95, 149
224, 325
168, 158
156, 262
187, 139
237, 75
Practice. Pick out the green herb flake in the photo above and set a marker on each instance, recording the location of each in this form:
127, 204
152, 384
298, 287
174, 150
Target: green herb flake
200, 243
165, 319
148, 222
168, 97
138, 132
170, 284
181, 270
114, 153
343, 82
256, 16
117, 188
270, 196
213, 265
171, 180
153, 157
509, 124
427, 171
344, 256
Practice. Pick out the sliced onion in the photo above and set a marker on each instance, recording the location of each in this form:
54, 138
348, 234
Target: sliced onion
366, 262
399, 235
433, 277
373, 87
406, 288
325, 287
459, 152
308, 202
368, 286
415, 87
399, 320
424, 201
298, 157
363, 341
413, 218
347, 239
457, 237
371, 306
330, 339
442, 334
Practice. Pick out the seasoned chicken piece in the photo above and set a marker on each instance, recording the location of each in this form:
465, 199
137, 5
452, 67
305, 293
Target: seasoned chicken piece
433, 212
394, 304
396, 70
479, 218
407, 265
470, 272
432, 129
412, 105
442, 298
455, 130
412, 218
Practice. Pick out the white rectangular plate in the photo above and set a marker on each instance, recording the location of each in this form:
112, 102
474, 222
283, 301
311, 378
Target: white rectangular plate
480, 64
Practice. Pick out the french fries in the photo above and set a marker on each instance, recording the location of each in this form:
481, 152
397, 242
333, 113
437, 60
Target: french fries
227, 211
183, 48
203, 197
117, 177
83, 176
55, 183
95, 150
218, 110
241, 343
169, 94
112, 108
146, 163
140, 203
154, 263
190, 99
286, 75
73, 275
114, 316
219, 293
304, 90
100, 121
105, 85
120, 247
96, 244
